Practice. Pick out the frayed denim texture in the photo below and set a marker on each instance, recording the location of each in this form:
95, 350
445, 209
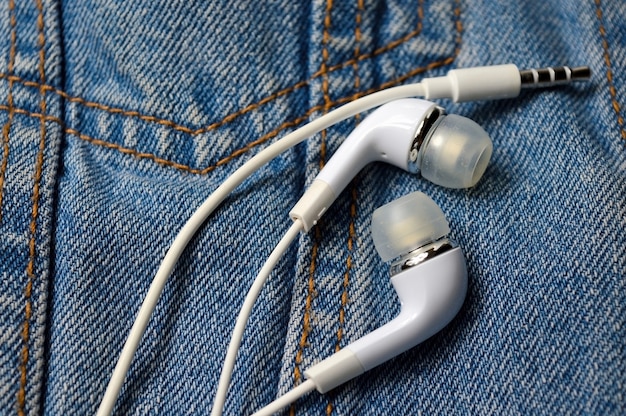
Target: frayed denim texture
119, 118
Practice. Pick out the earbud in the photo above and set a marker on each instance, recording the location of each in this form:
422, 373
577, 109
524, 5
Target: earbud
429, 275
412, 134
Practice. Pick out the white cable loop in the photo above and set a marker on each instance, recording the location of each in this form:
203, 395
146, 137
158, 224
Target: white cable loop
212, 202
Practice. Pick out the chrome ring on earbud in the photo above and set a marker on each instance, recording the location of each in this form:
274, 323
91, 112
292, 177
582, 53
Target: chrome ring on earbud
422, 254
424, 128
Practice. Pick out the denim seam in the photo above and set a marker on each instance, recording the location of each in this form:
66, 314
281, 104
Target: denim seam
350, 246
609, 70
353, 190
325, 83
32, 248
228, 118
341, 314
154, 158
306, 327
306, 324
6, 130
285, 125
306, 318
358, 18
249, 146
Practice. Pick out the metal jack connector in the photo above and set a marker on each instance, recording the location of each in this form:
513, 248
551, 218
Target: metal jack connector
547, 77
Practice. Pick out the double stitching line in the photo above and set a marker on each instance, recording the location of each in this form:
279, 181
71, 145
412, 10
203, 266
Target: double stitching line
6, 130
228, 118
32, 252
268, 136
351, 232
306, 319
325, 85
197, 131
353, 191
162, 161
609, 70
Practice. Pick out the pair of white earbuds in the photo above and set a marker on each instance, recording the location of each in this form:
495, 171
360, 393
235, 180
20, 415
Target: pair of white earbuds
428, 270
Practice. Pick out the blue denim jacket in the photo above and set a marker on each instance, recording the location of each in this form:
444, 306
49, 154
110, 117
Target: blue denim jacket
119, 118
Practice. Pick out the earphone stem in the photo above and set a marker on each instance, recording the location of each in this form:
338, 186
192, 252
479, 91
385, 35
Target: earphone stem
431, 295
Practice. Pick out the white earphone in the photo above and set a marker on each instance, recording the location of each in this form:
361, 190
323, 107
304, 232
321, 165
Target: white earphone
411, 134
429, 276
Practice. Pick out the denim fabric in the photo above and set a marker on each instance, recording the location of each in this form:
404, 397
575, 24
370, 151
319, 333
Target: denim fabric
119, 118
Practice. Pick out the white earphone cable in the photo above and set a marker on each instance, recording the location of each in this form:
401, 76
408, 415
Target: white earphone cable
286, 399
244, 314
492, 82
212, 202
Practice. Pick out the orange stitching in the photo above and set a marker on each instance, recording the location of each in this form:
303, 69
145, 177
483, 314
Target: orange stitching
351, 232
325, 84
151, 119
228, 118
30, 268
306, 327
242, 150
357, 47
357, 117
225, 120
156, 159
346, 276
251, 145
306, 319
41, 39
391, 45
6, 130
459, 27
21, 396
609, 70
236, 153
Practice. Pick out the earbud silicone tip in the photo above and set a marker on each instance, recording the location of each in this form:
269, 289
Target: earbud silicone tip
406, 224
456, 154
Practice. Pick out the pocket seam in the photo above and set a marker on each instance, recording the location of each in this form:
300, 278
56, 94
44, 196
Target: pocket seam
609, 69
249, 146
45, 88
